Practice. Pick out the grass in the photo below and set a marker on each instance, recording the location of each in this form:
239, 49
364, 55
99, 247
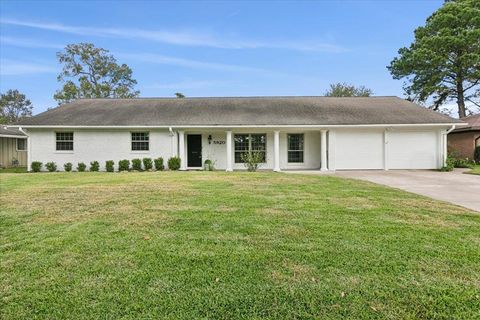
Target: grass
231, 246
13, 170
475, 170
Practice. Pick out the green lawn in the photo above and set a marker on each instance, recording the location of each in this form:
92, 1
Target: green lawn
13, 170
475, 170
231, 246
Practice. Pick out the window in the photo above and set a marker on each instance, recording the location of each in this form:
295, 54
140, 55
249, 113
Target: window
140, 141
295, 148
245, 143
64, 141
21, 144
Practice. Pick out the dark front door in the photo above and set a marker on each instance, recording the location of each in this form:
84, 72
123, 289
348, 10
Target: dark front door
194, 150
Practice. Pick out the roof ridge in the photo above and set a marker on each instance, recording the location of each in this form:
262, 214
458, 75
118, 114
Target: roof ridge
235, 97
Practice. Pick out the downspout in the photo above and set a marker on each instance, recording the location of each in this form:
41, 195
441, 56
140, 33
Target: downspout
28, 147
445, 150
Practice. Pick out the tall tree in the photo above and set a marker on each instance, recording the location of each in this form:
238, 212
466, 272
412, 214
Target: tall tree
94, 73
14, 106
443, 62
347, 90
179, 95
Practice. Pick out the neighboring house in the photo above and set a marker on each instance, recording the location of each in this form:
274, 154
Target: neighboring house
307, 133
13, 148
462, 141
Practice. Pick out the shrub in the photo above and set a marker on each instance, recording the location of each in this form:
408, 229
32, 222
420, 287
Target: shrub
476, 154
68, 166
147, 163
463, 163
109, 165
123, 165
36, 166
137, 164
252, 160
209, 165
51, 166
81, 167
94, 166
159, 164
174, 163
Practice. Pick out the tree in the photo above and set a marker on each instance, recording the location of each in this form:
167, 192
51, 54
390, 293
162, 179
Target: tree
179, 95
347, 90
14, 106
443, 62
95, 74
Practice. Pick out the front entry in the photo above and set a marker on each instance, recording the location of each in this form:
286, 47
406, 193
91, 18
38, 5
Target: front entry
194, 150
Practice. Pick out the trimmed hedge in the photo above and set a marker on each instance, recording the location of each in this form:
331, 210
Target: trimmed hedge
81, 167
147, 164
109, 165
36, 166
137, 164
51, 166
124, 165
68, 166
94, 166
174, 163
159, 164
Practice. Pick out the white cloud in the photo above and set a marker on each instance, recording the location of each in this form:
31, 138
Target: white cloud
187, 84
28, 43
161, 59
184, 38
13, 67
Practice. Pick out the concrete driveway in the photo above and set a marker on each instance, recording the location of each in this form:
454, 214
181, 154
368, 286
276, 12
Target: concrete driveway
455, 187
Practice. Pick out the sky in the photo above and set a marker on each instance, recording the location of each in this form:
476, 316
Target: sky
224, 48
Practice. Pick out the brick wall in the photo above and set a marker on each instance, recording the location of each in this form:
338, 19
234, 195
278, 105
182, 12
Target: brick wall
463, 143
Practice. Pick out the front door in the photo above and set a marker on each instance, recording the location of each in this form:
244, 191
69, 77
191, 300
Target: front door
194, 150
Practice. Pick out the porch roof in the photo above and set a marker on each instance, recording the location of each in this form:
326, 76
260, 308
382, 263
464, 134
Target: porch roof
233, 111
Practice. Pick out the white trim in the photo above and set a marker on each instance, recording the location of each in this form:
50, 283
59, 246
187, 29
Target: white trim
314, 126
385, 150
229, 146
181, 150
12, 136
323, 150
276, 151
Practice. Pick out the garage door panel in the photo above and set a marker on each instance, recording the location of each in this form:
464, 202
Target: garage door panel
412, 150
359, 149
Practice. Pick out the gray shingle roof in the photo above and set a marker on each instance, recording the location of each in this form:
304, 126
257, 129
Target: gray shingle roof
473, 124
238, 111
4, 131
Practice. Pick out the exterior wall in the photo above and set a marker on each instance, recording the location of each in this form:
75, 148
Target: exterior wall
217, 152
360, 148
462, 144
8, 152
97, 145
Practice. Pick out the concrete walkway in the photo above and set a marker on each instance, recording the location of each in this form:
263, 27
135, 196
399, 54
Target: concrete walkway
455, 187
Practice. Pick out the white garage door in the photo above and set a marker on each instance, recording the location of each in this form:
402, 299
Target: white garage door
359, 149
412, 150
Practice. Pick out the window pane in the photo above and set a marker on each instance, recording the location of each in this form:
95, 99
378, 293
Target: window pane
64, 141
259, 142
295, 156
21, 144
295, 147
140, 141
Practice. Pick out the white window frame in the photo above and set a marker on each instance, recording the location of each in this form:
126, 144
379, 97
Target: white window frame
16, 145
249, 145
132, 141
291, 150
72, 141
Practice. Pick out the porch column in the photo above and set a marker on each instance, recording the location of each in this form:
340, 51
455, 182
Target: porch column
229, 151
276, 151
323, 150
181, 150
